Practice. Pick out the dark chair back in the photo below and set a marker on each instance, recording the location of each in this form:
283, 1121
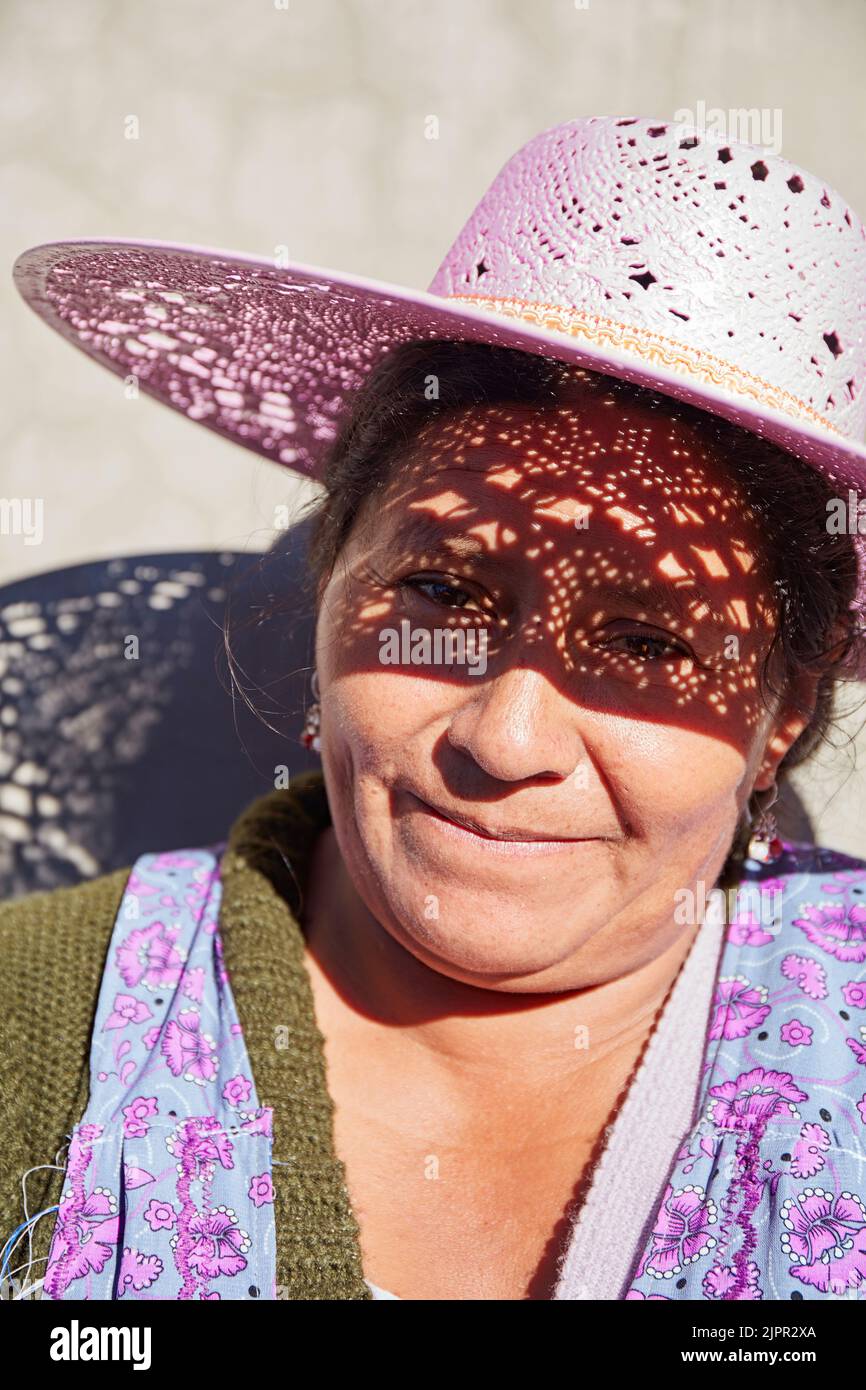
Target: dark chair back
121, 731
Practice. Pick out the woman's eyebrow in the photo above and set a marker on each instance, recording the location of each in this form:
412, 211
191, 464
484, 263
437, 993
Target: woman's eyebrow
426, 530
660, 596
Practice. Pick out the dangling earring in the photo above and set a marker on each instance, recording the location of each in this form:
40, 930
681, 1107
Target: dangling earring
310, 735
765, 846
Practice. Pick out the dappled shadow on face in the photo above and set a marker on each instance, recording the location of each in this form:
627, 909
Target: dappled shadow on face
603, 545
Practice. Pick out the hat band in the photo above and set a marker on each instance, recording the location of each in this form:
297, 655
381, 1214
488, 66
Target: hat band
651, 347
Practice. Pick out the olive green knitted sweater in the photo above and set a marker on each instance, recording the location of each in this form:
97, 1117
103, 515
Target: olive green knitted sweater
52, 949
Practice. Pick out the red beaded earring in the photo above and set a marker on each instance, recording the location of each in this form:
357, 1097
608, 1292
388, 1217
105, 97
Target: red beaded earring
765, 845
310, 735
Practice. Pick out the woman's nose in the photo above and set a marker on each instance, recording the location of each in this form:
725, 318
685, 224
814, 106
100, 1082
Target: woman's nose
519, 726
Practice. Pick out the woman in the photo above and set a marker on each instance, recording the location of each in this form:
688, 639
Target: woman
462, 1017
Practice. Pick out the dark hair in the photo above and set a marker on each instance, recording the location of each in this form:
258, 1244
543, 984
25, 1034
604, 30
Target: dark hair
814, 570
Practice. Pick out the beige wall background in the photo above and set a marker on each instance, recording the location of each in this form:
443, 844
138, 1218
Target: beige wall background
303, 124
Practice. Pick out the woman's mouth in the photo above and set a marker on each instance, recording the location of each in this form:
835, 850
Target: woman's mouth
503, 841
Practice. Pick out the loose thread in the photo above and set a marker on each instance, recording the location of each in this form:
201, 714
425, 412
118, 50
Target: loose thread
17, 1235
27, 1225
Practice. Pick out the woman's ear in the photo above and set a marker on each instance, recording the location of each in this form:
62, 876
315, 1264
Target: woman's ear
783, 738
794, 715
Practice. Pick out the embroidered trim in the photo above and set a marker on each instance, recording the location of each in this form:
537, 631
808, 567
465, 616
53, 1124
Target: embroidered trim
653, 347
87, 1222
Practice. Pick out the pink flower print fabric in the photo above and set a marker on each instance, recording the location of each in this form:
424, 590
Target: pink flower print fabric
767, 1197
168, 1191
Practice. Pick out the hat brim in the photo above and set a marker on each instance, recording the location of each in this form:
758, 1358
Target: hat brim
270, 355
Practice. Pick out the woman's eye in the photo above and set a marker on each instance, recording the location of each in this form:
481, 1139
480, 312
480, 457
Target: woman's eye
647, 646
443, 592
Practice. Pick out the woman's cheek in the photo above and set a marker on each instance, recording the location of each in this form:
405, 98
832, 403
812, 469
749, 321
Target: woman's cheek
377, 711
669, 781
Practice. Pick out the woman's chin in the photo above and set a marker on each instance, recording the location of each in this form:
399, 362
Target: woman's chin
479, 941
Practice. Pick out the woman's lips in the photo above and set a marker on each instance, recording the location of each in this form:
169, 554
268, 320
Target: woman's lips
510, 844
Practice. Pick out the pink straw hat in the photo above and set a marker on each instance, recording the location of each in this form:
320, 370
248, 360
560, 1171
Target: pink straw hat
712, 271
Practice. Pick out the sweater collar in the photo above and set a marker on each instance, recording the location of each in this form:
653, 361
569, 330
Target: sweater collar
263, 871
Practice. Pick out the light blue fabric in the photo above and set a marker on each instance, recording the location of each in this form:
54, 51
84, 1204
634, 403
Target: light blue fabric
169, 1192
767, 1198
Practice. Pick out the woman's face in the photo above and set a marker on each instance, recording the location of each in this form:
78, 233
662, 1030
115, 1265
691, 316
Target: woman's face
603, 732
